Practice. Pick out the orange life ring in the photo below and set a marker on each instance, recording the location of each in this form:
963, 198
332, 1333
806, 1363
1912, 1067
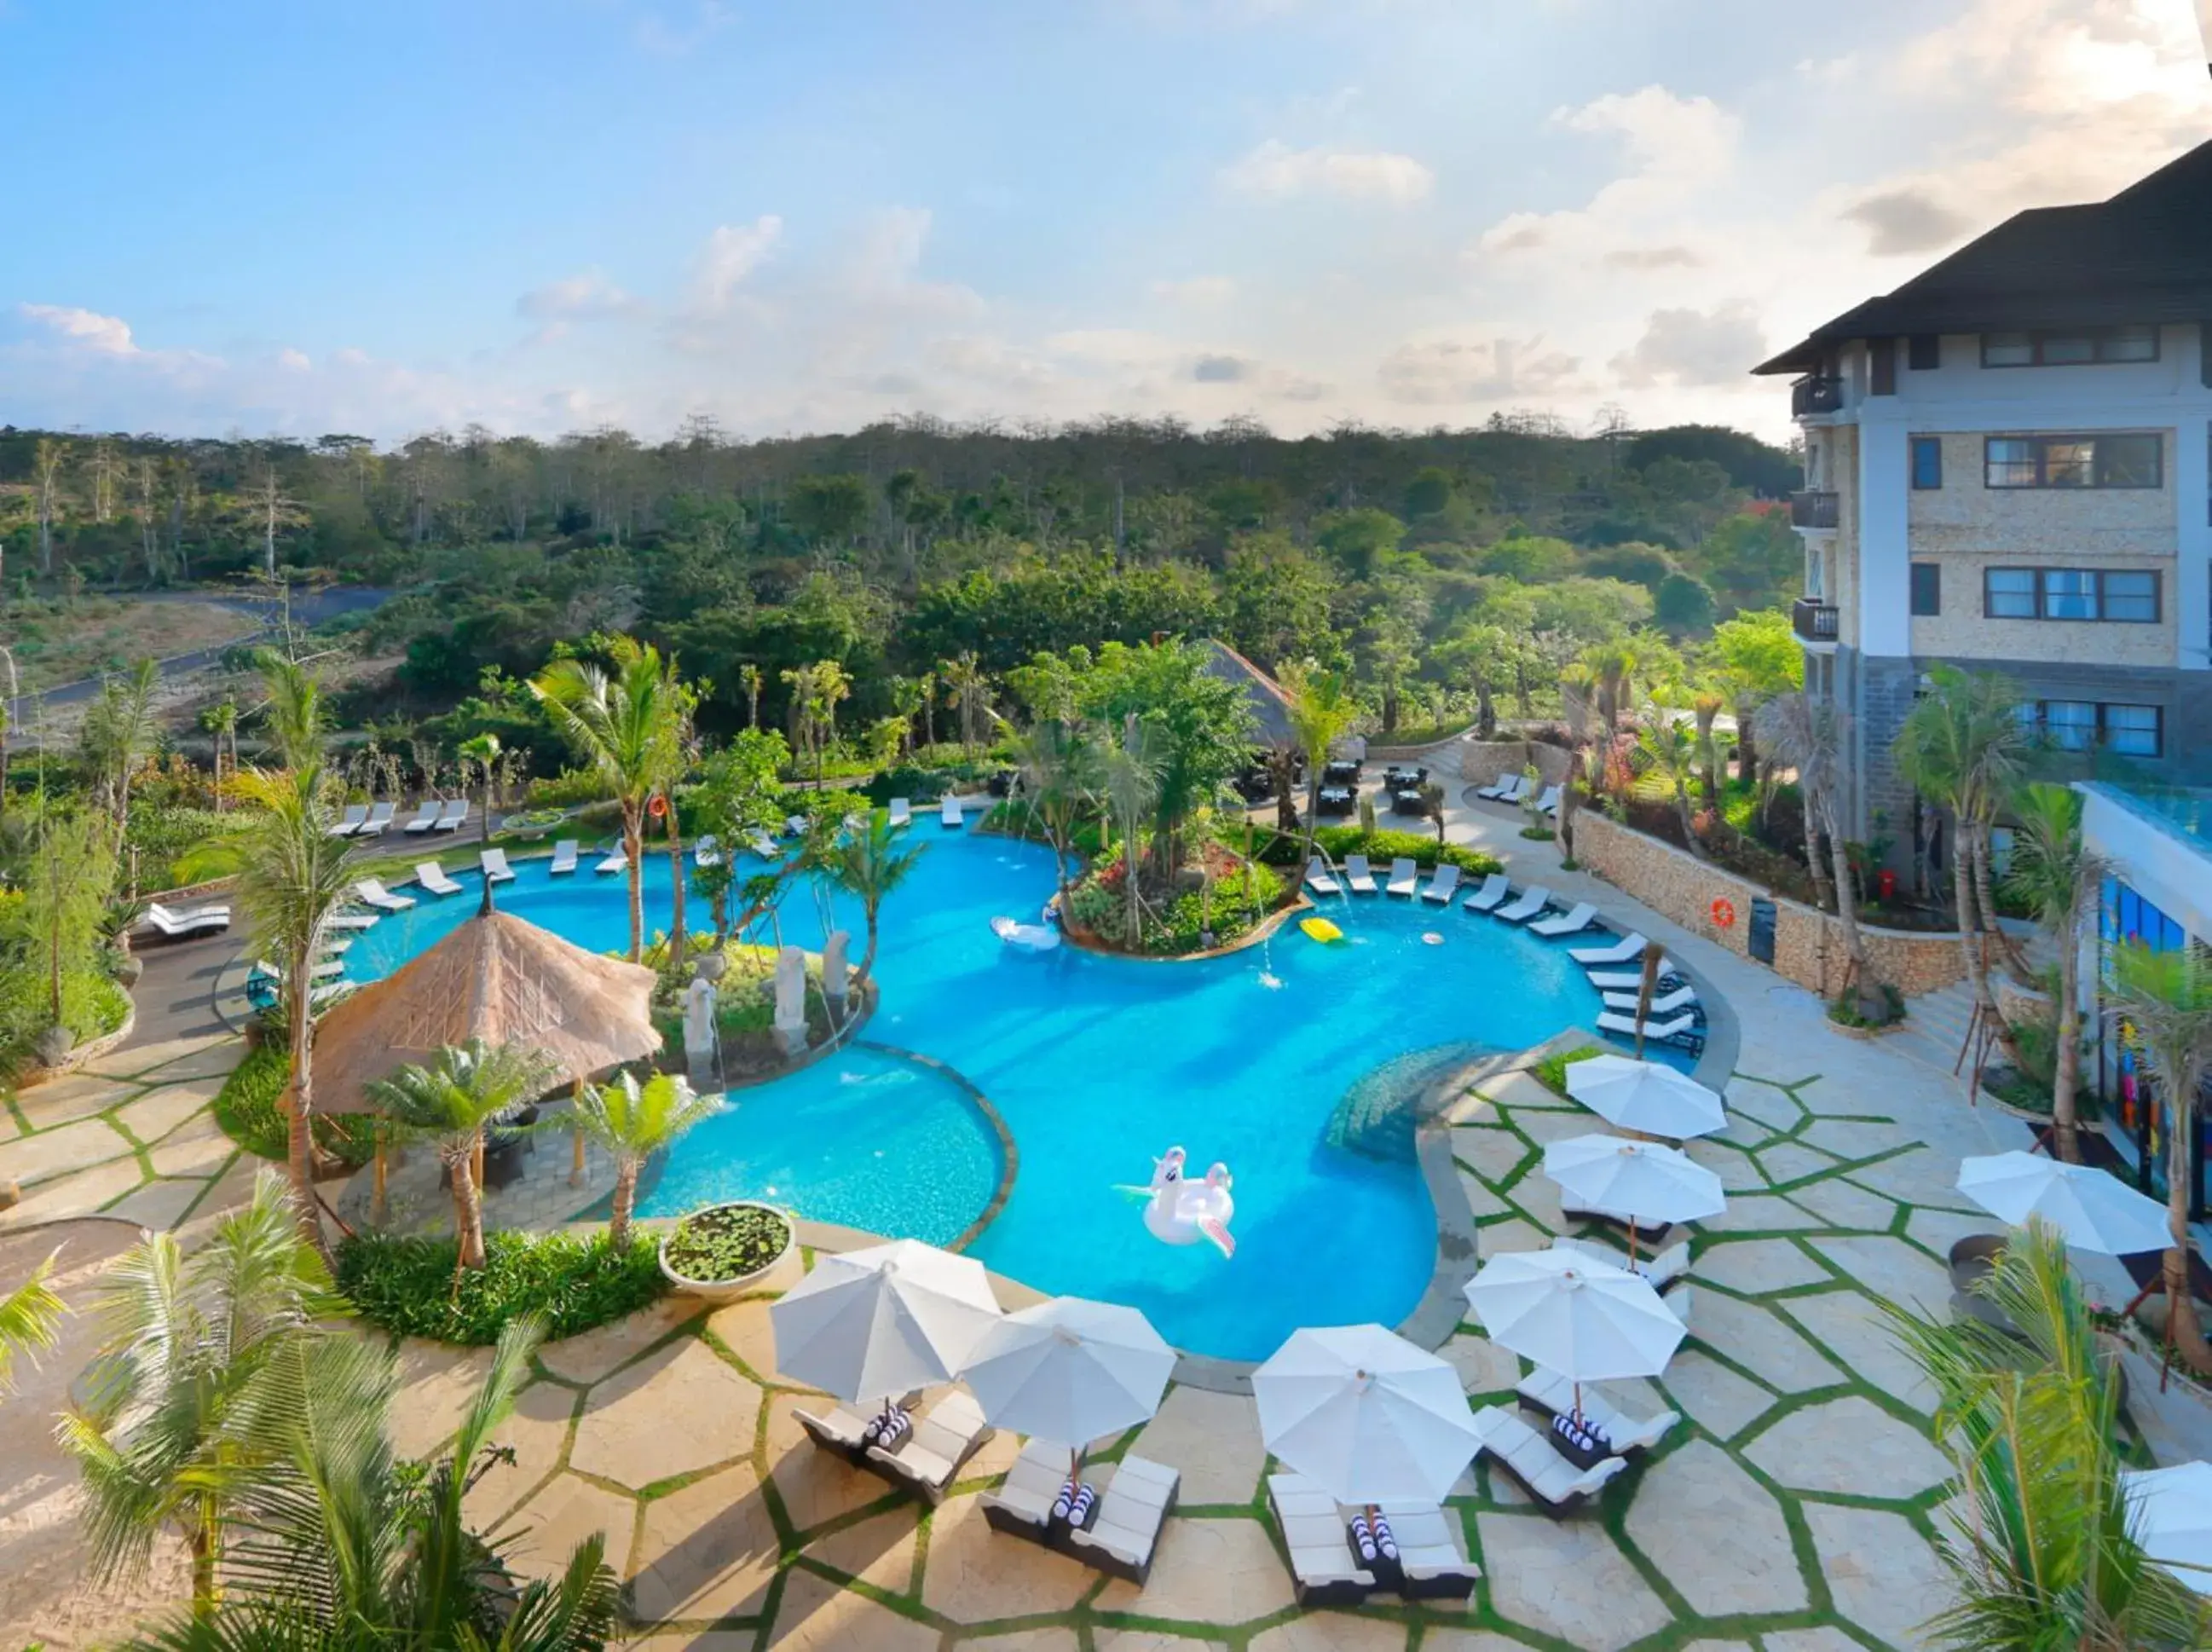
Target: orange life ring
1723, 911
659, 807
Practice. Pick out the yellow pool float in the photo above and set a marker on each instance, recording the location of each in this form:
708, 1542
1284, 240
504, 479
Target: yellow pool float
1321, 929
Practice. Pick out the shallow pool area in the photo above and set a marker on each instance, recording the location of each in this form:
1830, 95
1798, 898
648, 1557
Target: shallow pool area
1097, 1065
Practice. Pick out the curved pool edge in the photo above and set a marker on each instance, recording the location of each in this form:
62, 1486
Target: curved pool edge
1010, 1155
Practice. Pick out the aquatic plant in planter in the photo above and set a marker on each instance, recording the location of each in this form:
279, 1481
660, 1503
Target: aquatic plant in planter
722, 1251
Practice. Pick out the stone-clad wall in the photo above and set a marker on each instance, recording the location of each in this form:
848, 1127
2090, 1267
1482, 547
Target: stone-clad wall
1482, 761
1808, 945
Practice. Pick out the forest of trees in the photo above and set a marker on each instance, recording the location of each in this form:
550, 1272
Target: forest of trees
1431, 564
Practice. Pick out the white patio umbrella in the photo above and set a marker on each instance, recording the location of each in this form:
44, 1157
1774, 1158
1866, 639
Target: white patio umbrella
2092, 1210
872, 1323
1586, 1319
1069, 1370
2172, 1519
1639, 1180
1366, 1414
1647, 1096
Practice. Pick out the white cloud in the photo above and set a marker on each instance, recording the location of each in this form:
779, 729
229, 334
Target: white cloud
1464, 369
732, 252
1196, 292
293, 361
1693, 347
1278, 171
108, 334
588, 293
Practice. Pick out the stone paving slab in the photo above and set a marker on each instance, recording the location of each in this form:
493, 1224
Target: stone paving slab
973, 1576
1844, 1206
1883, 1575
1763, 1344
679, 1409
75, 1096
1716, 1533
1567, 1579
154, 1116
1858, 1333
562, 1514
536, 1431
816, 1615
57, 1151
1713, 1396
1222, 1571
1339, 1631
1889, 1267
707, 1551
1212, 1439
879, 1551
1759, 1267
1848, 1446
82, 1193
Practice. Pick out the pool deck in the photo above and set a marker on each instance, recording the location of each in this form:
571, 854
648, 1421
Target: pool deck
1793, 1511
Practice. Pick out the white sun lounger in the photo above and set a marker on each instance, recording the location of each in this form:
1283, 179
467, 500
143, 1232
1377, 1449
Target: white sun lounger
355, 815
1511, 789
1319, 881
453, 817
707, 851
1554, 1395
1525, 1455
1629, 947
1405, 877
1668, 1004
370, 890
794, 825
1442, 885
1357, 875
901, 812
322, 971
1124, 1534
614, 861
1668, 1268
426, 817
948, 811
1022, 1505
1682, 1030
1572, 923
337, 949
1631, 981
929, 1457
1490, 896
1534, 900
765, 846
350, 920
493, 863
1324, 1568
564, 855
1549, 803
200, 920
378, 821
432, 877
841, 1432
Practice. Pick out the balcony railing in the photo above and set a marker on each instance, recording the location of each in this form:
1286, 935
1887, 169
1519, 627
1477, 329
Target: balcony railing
1813, 510
1816, 393
1815, 621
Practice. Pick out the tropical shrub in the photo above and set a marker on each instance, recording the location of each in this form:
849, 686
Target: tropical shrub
1382, 845
249, 1108
163, 834
408, 1284
568, 789
1551, 1070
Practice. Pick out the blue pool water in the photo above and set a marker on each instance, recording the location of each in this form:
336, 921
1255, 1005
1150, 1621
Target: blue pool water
1097, 1065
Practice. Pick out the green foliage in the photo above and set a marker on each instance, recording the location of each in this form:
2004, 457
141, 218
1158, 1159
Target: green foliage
727, 1242
1383, 845
249, 1108
1845, 1013
406, 1284
1551, 1070
571, 788
164, 834
1760, 651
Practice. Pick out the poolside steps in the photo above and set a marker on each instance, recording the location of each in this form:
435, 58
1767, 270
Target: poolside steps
1379, 1113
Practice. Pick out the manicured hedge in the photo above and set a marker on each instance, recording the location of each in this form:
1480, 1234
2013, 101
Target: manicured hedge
250, 1108
406, 1284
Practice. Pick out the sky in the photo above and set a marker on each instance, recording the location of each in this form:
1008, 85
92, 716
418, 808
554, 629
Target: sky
542, 216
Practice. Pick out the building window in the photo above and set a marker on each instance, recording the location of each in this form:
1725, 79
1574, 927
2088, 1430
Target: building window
1923, 352
1926, 461
2071, 348
2084, 725
1927, 588
2129, 461
2125, 597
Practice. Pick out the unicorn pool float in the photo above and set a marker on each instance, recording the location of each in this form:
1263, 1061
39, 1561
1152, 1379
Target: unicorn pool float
1181, 1212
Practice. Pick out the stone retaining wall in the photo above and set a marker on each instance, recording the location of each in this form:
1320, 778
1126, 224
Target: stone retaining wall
1808, 945
1482, 761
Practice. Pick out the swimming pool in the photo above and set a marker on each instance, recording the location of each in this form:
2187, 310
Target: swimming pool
1097, 1065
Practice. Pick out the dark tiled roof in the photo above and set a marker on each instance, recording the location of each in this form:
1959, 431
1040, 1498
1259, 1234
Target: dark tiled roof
1270, 703
2143, 256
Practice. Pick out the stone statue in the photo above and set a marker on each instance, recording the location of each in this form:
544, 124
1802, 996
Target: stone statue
835, 977
791, 1000
699, 1044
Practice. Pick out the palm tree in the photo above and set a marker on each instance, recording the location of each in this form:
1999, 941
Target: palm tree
345, 1547
161, 1438
292, 879
292, 715
2167, 996
1131, 777
868, 864
683, 750
964, 685
1707, 702
1674, 753
748, 678
1961, 746
625, 725
119, 732
447, 1100
220, 721
28, 1314
1610, 665
483, 750
908, 696
800, 679
833, 685
2055, 872
1813, 737
2041, 1554
1058, 770
1321, 711
633, 1122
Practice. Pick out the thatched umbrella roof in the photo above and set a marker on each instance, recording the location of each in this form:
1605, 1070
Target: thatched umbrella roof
496, 978
1269, 700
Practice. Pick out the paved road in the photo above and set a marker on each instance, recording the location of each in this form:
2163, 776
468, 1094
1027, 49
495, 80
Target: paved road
309, 608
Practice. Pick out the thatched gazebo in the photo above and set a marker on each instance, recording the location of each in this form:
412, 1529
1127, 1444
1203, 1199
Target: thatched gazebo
496, 978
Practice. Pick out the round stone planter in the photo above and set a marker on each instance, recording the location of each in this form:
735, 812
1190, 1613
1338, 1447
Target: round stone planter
781, 1270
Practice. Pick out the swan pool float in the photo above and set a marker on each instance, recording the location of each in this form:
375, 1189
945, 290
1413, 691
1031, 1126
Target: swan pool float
1181, 1212
1030, 938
